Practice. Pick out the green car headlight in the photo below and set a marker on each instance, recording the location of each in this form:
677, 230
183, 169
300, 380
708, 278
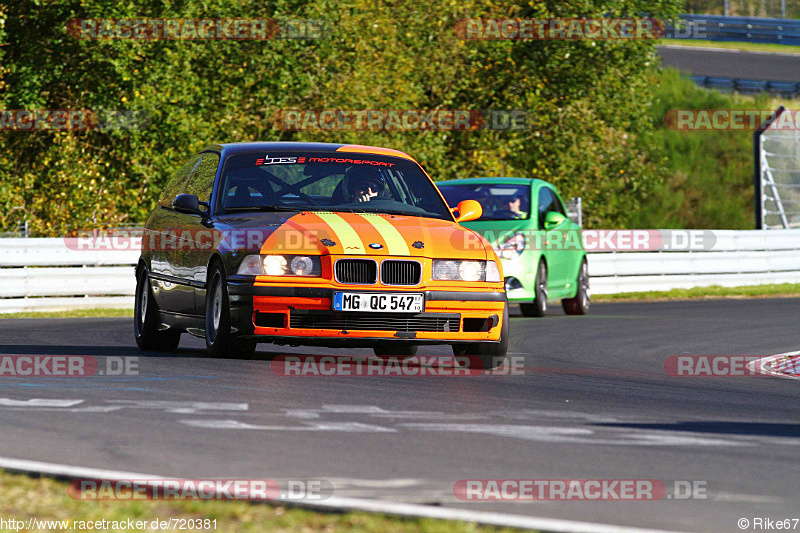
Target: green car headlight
280, 265
459, 270
511, 247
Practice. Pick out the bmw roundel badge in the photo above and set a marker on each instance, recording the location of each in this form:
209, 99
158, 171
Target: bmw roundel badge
375, 246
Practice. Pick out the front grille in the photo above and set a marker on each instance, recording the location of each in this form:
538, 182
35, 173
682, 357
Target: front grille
432, 322
401, 272
356, 271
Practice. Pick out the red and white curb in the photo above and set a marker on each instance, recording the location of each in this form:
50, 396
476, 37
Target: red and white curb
783, 365
348, 504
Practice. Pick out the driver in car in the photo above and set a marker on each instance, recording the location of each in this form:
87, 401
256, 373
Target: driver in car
515, 206
366, 186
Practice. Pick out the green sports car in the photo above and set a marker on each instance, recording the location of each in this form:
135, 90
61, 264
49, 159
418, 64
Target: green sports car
540, 247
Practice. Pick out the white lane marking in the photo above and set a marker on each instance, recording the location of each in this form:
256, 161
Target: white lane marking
358, 409
38, 402
746, 498
181, 407
762, 365
577, 436
533, 414
301, 413
536, 433
356, 504
352, 427
97, 409
375, 483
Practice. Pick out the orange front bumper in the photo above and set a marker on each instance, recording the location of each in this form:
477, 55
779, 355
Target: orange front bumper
451, 316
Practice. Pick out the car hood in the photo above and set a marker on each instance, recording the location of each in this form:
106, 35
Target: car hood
340, 233
497, 231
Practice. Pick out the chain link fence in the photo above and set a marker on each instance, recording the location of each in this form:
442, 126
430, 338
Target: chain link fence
777, 179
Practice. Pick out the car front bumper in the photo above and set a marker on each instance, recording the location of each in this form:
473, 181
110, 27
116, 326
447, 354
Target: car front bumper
304, 315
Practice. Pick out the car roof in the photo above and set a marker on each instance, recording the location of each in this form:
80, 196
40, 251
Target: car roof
498, 180
288, 146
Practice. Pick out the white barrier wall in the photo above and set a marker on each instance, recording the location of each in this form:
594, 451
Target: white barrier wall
56, 274
727, 258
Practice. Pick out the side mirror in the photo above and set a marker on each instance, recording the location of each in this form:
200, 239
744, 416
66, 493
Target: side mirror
468, 210
187, 203
553, 219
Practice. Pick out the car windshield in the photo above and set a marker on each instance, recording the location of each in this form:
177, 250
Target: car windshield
322, 181
500, 201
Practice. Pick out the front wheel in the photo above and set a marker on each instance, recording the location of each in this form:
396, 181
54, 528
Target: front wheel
579, 305
219, 341
539, 305
146, 322
491, 354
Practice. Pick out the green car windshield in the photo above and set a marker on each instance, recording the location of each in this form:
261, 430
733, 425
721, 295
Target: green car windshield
500, 201
322, 181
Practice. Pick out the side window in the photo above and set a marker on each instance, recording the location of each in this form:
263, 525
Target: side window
559, 206
546, 202
202, 181
175, 185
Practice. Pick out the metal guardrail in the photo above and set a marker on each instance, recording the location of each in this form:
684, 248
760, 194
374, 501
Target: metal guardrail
787, 89
53, 274
740, 29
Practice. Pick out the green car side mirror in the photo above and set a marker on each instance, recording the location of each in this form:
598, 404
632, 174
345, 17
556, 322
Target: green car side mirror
553, 219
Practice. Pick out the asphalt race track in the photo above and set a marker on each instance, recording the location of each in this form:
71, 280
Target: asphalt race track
731, 63
594, 402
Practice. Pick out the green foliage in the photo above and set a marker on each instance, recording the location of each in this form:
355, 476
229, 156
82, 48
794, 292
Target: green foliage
710, 183
587, 101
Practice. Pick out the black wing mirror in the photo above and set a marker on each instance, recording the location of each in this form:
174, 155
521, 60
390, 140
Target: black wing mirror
187, 203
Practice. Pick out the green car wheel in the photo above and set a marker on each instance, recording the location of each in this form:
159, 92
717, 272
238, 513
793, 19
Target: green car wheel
539, 305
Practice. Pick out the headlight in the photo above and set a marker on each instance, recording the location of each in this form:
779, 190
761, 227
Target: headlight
301, 265
280, 265
274, 265
492, 272
444, 269
455, 270
511, 247
471, 270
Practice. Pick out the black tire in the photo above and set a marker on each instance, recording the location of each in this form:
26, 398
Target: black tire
244, 348
146, 320
490, 354
219, 340
579, 304
395, 350
539, 305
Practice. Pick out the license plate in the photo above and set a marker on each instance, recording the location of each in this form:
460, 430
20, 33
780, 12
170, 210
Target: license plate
383, 302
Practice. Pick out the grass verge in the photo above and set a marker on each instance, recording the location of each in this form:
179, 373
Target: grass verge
730, 45
777, 290
24, 497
